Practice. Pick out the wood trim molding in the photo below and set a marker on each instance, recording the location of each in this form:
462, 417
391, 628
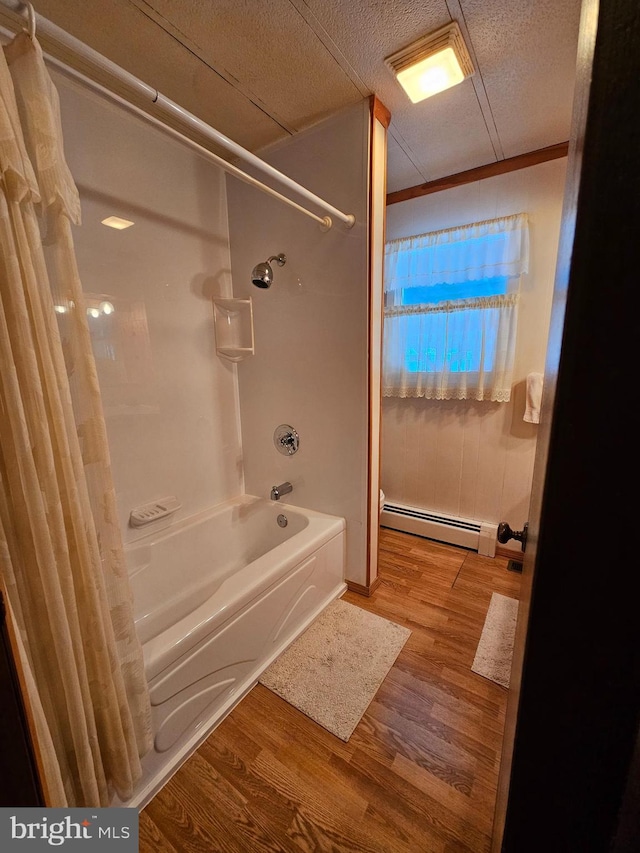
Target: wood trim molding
501, 167
361, 589
378, 115
573, 705
380, 112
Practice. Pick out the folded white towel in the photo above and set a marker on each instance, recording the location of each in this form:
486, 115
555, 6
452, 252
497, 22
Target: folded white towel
534, 398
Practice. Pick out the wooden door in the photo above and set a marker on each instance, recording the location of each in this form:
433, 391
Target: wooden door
574, 707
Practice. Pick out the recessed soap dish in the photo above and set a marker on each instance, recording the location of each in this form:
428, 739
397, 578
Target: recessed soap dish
147, 513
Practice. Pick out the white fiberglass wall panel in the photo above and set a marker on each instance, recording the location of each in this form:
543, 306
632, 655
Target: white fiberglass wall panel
170, 403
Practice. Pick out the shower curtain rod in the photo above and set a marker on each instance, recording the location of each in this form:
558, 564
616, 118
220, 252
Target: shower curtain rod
75, 46
324, 221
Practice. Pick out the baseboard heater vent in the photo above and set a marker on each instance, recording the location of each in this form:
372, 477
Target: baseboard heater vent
479, 536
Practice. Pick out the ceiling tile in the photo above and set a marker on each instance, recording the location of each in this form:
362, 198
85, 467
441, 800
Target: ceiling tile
277, 60
258, 70
401, 171
441, 135
119, 31
366, 32
526, 52
446, 133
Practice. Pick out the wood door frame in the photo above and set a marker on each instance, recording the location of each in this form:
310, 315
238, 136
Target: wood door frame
569, 767
379, 120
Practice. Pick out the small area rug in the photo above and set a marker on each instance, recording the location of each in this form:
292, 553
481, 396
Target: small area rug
495, 649
334, 669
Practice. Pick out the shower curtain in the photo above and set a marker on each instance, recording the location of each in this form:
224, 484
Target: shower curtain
61, 556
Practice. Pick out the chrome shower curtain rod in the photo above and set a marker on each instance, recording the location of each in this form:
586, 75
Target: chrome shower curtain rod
61, 38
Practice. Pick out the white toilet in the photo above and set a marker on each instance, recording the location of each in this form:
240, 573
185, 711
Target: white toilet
381, 500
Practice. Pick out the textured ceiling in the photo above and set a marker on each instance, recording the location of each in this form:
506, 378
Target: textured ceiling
259, 70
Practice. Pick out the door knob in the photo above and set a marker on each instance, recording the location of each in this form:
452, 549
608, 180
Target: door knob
505, 533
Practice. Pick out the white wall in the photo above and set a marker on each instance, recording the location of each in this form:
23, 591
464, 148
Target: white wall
310, 365
467, 458
171, 405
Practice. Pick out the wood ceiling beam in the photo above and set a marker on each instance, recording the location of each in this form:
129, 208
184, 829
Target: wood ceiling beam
511, 164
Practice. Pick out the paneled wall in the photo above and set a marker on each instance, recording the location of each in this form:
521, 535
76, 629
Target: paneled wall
310, 365
467, 458
171, 406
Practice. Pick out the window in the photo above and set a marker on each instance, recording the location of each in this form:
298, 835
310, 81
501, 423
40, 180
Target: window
451, 302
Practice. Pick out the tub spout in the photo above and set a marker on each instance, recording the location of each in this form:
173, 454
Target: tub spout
282, 489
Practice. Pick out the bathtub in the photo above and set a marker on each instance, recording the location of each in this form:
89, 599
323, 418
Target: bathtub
217, 598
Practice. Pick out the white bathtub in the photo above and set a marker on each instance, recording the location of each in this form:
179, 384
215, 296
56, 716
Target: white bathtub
218, 597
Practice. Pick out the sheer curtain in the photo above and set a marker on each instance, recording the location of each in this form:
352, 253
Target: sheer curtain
456, 344
61, 556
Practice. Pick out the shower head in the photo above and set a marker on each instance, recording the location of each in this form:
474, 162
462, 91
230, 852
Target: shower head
262, 275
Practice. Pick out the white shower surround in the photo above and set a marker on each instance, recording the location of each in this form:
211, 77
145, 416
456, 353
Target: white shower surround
311, 367
172, 411
241, 589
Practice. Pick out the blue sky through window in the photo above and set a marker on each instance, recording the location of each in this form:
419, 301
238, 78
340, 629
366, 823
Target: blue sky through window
446, 334
451, 310
435, 293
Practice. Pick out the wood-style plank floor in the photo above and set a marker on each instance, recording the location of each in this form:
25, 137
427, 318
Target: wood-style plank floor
419, 773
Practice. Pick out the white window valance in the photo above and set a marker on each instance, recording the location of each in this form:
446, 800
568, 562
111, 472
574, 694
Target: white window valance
490, 249
455, 338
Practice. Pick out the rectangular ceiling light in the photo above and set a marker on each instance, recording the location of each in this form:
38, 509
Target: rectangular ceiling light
432, 64
117, 222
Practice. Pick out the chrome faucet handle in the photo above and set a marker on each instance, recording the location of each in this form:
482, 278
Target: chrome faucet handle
289, 441
286, 439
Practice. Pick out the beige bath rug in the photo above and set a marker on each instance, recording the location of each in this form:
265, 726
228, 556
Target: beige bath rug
495, 649
334, 669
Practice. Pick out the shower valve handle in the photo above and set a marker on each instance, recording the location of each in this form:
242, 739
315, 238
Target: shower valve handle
289, 441
286, 439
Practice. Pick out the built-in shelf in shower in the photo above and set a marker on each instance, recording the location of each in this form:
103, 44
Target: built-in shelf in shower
154, 511
233, 321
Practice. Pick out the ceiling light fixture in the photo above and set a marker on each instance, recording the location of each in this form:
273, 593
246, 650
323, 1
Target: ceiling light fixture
117, 222
432, 64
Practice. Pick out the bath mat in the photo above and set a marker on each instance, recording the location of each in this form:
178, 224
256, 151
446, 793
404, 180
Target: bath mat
495, 649
334, 669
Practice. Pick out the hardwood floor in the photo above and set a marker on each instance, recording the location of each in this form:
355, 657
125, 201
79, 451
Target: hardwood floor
419, 773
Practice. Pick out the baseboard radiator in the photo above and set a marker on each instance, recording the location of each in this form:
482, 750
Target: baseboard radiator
478, 536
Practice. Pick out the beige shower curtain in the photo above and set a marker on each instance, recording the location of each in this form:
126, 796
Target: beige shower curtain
61, 556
